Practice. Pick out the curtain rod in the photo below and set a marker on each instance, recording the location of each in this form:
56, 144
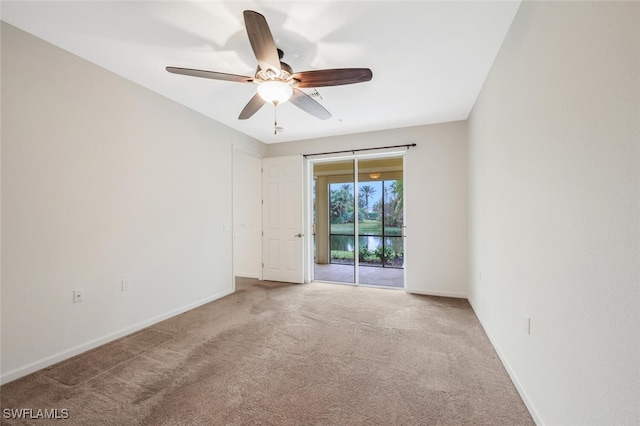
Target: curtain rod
410, 145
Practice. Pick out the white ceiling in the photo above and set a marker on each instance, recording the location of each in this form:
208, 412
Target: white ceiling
429, 58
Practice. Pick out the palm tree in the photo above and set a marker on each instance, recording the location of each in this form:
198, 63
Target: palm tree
398, 201
346, 187
338, 203
341, 203
367, 191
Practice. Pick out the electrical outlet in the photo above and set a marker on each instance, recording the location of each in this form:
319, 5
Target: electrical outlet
125, 285
78, 296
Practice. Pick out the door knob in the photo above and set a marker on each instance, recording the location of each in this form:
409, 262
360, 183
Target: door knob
298, 235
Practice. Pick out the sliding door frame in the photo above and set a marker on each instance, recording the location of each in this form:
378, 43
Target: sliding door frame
308, 185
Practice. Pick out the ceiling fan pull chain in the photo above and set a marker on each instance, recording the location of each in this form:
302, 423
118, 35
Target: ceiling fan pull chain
275, 119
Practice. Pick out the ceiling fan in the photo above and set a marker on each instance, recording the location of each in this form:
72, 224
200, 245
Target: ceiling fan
277, 83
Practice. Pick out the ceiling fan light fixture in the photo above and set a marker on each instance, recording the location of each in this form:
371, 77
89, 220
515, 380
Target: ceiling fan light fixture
375, 175
275, 92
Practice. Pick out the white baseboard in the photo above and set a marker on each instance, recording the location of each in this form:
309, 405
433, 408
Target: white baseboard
66, 354
512, 374
437, 293
247, 275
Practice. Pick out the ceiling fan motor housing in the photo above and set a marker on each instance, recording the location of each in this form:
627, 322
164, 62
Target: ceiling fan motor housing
270, 74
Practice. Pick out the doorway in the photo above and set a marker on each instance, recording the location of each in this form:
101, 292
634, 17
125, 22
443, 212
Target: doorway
358, 221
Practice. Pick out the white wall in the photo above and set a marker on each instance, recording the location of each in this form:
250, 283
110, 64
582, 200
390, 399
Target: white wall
435, 190
247, 214
555, 213
103, 180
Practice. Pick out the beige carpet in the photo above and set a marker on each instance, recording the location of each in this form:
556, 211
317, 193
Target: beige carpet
277, 354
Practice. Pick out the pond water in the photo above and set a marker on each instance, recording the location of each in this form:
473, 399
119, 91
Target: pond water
346, 243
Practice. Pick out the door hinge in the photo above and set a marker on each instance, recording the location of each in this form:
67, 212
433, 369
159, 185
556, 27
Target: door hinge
263, 265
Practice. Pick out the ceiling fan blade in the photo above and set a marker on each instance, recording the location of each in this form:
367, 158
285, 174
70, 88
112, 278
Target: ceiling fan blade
210, 74
308, 104
262, 43
251, 107
333, 77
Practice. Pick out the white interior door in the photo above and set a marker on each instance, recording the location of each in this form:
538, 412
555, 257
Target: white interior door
282, 214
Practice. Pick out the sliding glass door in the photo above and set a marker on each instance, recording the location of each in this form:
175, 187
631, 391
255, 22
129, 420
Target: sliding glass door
335, 211
358, 229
